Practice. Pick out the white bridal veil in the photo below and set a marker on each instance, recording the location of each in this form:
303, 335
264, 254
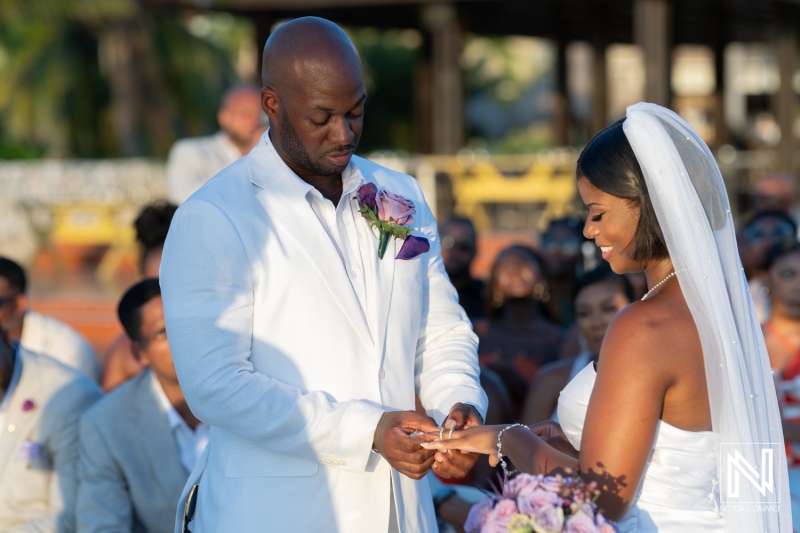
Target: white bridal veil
691, 203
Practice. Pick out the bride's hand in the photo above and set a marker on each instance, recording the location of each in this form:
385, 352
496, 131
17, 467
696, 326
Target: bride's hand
477, 439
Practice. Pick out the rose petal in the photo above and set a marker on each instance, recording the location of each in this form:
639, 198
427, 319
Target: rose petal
413, 246
366, 196
395, 208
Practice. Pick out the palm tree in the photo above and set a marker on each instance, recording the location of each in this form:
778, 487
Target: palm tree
95, 78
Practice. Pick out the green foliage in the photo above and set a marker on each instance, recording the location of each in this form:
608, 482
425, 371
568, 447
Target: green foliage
100, 78
389, 59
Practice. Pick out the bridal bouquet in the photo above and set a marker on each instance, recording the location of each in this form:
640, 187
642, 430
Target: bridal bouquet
540, 504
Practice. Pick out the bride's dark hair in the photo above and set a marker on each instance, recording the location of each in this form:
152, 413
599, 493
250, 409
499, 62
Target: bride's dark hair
608, 162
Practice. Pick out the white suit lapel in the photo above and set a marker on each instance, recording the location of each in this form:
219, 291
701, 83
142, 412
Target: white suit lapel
383, 276
289, 209
17, 421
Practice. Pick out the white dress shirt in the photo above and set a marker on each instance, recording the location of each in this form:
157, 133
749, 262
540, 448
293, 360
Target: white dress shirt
190, 442
343, 224
194, 161
15, 374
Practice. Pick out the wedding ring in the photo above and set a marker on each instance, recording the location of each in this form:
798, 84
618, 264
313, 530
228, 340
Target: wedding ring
441, 433
450, 435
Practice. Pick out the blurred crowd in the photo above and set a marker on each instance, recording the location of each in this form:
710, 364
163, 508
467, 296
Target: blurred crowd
104, 442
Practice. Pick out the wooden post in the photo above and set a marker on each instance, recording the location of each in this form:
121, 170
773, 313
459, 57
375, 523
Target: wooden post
652, 31
423, 95
447, 88
785, 101
599, 91
721, 132
561, 111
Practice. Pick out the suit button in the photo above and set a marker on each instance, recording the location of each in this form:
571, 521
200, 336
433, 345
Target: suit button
381, 374
353, 274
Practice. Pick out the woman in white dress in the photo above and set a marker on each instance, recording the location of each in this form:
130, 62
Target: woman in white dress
682, 395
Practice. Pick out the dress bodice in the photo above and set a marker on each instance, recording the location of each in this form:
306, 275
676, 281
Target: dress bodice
679, 488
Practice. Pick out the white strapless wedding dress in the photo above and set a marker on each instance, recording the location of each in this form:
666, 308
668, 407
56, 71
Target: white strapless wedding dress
679, 490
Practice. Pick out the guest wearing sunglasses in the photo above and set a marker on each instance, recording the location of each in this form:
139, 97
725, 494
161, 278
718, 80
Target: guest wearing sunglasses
40, 333
764, 230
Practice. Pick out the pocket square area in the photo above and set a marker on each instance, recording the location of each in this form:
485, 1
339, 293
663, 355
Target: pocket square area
413, 246
29, 451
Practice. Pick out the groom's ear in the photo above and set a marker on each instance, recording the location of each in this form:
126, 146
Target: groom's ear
270, 102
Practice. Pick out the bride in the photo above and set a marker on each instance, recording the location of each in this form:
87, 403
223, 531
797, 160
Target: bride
681, 396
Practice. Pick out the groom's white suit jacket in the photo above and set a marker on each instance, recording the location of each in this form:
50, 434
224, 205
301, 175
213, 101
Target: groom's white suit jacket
274, 350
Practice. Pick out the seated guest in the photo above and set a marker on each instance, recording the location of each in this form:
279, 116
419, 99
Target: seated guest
151, 227
518, 336
763, 231
782, 337
139, 444
41, 401
39, 333
561, 251
459, 246
597, 297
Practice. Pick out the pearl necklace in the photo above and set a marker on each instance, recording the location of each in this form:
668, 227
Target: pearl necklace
657, 285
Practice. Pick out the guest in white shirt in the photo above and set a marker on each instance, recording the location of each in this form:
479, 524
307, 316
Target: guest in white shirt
195, 160
140, 442
39, 333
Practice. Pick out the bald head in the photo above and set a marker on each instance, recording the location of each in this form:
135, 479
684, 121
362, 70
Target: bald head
314, 98
305, 47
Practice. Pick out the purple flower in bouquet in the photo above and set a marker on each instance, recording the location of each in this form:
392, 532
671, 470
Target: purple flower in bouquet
392, 215
580, 523
551, 483
539, 504
519, 485
477, 515
498, 518
531, 502
548, 519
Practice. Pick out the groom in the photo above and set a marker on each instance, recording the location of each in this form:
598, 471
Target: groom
292, 338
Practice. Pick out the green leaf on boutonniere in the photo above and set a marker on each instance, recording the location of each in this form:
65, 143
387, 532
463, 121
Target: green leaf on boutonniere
383, 242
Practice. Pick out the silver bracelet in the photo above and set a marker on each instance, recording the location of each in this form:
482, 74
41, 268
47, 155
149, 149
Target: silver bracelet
500, 449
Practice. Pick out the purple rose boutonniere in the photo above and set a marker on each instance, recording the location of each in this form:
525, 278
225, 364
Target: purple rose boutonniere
28, 405
392, 215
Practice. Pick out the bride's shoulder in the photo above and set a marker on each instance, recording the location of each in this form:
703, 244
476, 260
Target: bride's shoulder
641, 330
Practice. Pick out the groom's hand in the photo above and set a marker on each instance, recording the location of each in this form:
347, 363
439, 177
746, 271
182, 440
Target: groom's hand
453, 463
394, 441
